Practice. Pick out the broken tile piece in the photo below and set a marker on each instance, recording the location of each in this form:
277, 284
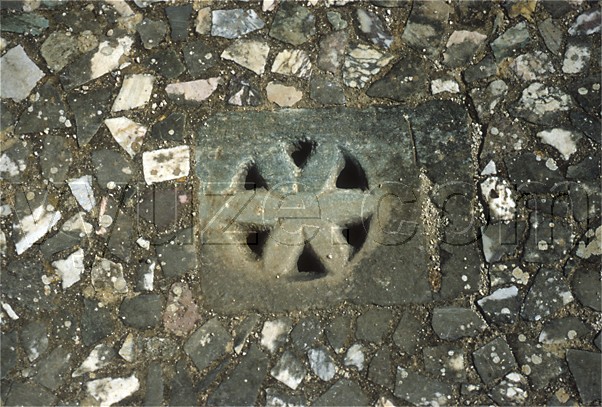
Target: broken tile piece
109, 391
501, 306
494, 360
71, 268
362, 63
19, 74
135, 92
181, 313
444, 85
275, 333
292, 62
321, 363
250, 54
127, 133
208, 343
541, 104
565, 141
235, 23
81, 188
166, 164
59, 49
194, 91
355, 357
284, 96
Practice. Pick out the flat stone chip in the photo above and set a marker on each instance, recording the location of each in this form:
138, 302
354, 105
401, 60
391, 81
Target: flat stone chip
305, 208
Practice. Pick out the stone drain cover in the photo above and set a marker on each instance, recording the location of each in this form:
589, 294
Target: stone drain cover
305, 208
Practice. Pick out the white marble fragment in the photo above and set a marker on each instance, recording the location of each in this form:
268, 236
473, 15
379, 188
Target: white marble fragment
292, 62
33, 227
108, 57
71, 268
362, 63
565, 141
355, 356
490, 169
166, 164
135, 92
81, 188
202, 23
321, 364
498, 195
100, 357
269, 5
284, 96
444, 85
194, 91
272, 334
576, 58
127, 133
109, 391
128, 349
10, 311
19, 74
250, 54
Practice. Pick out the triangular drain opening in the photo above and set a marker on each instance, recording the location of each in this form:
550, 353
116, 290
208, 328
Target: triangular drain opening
356, 235
256, 240
254, 180
352, 176
303, 150
309, 265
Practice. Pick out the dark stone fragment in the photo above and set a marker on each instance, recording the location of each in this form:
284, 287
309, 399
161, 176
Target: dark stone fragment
59, 242
421, 390
152, 33
96, 324
501, 306
109, 166
588, 125
332, 51
165, 63
6, 117
587, 286
511, 41
202, 352
343, 393
8, 353
22, 282
154, 385
388, 3
409, 333
198, 58
183, 392
44, 113
381, 369
557, 207
122, 235
29, 394
451, 323
542, 373
172, 128
55, 159
325, 91
54, 369
276, 397
373, 325
426, 27
460, 270
548, 294
179, 20
598, 340
552, 34
494, 360
531, 175
243, 330
179, 258
18, 153
586, 200
587, 93
34, 339
445, 361
25, 23
501, 239
163, 206
82, 19
394, 84
339, 332
242, 386
547, 244
293, 24
242, 92
86, 108
143, 311
586, 368
306, 333
556, 8
562, 330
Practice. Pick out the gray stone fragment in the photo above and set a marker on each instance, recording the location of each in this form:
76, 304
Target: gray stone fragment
531, 175
47, 112
587, 287
587, 169
165, 62
55, 159
19, 74
409, 332
343, 393
587, 124
199, 58
29, 394
587, 93
152, 32
406, 80
484, 69
179, 257
276, 397
494, 360
293, 24
562, 330
14, 159
142, 311
336, 21
355, 356
373, 325
380, 370
421, 390
542, 104
8, 352
235, 23
154, 385
547, 244
460, 262
89, 109
557, 8
243, 384
111, 166
243, 330
172, 128
462, 46
338, 332
332, 51
426, 26
512, 40
451, 323
34, 339
321, 363
446, 362
552, 35
539, 364
209, 343
586, 368
512, 390
548, 294
54, 369
96, 323
122, 235
306, 333
598, 340
587, 23
244, 93
22, 280
532, 65
24, 23
326, 91
58, 50
6, 117
486, 100
372, 29
179, 21
182, 389
502, 305
289, 370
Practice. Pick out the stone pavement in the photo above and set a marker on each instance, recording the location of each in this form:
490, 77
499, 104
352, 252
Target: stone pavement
323, 202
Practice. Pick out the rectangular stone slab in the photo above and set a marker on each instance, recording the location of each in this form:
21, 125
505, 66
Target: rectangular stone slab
306, 208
